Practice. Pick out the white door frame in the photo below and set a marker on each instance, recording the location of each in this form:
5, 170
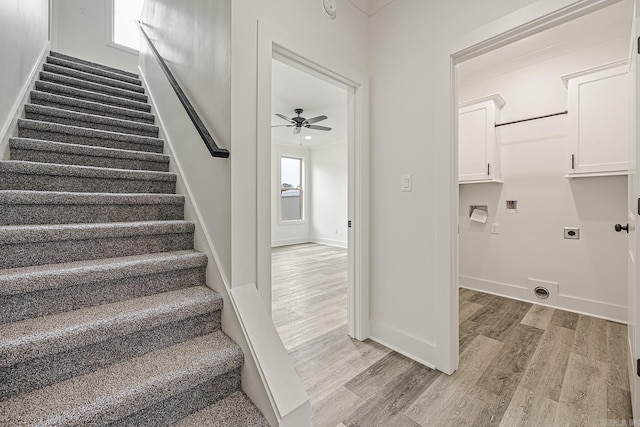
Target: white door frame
530, 20
306, 55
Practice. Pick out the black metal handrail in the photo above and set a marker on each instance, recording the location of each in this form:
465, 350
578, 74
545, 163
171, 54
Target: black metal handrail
191, 112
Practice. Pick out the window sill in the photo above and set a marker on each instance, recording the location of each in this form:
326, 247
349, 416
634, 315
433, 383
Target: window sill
123, 48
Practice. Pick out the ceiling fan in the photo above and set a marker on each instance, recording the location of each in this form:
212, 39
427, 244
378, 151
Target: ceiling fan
297, 123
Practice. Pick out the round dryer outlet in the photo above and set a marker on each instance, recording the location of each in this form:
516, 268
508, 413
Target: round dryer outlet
329, 7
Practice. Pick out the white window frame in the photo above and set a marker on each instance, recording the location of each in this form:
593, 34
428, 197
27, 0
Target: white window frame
303, 192
110, 4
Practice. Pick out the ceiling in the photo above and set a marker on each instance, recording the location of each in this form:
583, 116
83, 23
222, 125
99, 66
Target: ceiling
291, 89
370, 6
613, 22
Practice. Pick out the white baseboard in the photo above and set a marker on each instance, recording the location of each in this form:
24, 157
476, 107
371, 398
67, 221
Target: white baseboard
8, 129
599, 309
287, 242
413, 347
329, 242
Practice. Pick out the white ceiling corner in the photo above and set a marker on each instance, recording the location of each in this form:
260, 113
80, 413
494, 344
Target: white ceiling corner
370, 6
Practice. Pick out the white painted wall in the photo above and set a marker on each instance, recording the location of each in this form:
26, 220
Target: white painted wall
290, 232
345, 39
329, 194
193, 38
591, 272
411, 232
24, 34
80, 28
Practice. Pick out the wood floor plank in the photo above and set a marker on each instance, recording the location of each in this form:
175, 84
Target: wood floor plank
335, 408
583, 400
591, 338
538, 316
450, 399
506, 370
545, 373
505, 377
386, 407
618, 405
529, 409
565, 319
617, 355
467, 309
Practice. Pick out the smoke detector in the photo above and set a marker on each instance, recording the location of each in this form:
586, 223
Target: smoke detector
329, 7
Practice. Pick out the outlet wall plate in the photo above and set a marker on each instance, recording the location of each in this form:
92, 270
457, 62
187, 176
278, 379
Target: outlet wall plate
572, 233
330, 7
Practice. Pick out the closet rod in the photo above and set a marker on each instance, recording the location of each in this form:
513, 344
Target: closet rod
533, 118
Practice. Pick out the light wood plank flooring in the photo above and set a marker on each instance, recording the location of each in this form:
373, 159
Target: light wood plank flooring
520, 364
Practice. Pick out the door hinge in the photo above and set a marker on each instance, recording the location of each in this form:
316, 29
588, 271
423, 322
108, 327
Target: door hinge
488, 169
638, 45
349, 223
638, 206
638, 368
573, 161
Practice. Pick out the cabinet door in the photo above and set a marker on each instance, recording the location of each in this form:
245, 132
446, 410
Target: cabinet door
599, 122
476, 136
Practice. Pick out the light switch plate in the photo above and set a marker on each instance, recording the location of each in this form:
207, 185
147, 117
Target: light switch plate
405, 183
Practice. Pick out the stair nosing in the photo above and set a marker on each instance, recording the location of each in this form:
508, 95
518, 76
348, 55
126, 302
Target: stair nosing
90, 118
93, 87
67, 100
141, 382
43, 336
93, 70
88, 77
28, 234
91, 133
114, 100
33, 144
77, 60
15, 281
55, 169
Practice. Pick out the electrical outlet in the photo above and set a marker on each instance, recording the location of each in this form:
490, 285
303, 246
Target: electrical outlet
82, 10
495, 228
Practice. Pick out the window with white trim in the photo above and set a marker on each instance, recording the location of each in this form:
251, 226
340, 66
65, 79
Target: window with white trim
124, 33
291, 191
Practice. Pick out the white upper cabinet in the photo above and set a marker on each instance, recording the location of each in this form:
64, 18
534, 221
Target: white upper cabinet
599, 121
479, 153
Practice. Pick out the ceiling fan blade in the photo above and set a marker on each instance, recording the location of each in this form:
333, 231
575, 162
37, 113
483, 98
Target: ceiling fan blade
284, 117
297, 130
315, 120
315, 127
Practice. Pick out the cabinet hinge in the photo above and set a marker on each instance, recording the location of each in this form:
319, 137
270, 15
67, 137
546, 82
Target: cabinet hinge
573, 161
488, 169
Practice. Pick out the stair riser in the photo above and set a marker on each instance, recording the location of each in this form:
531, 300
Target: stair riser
15, 181
38, 373
83, 109
93, 78
169, 411
93, 70
92, 87
91, 96
80, 160
38, 253
51, 301
92, 64
83, 214
92, 125
87, 140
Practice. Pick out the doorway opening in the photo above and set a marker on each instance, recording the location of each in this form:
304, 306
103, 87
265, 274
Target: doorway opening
539, 191
309, 205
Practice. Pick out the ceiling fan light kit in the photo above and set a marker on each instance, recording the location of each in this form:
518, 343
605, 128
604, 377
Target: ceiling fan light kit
329, 7
297, 123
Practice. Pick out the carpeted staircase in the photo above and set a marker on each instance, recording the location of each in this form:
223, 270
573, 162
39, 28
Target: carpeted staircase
105, 317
